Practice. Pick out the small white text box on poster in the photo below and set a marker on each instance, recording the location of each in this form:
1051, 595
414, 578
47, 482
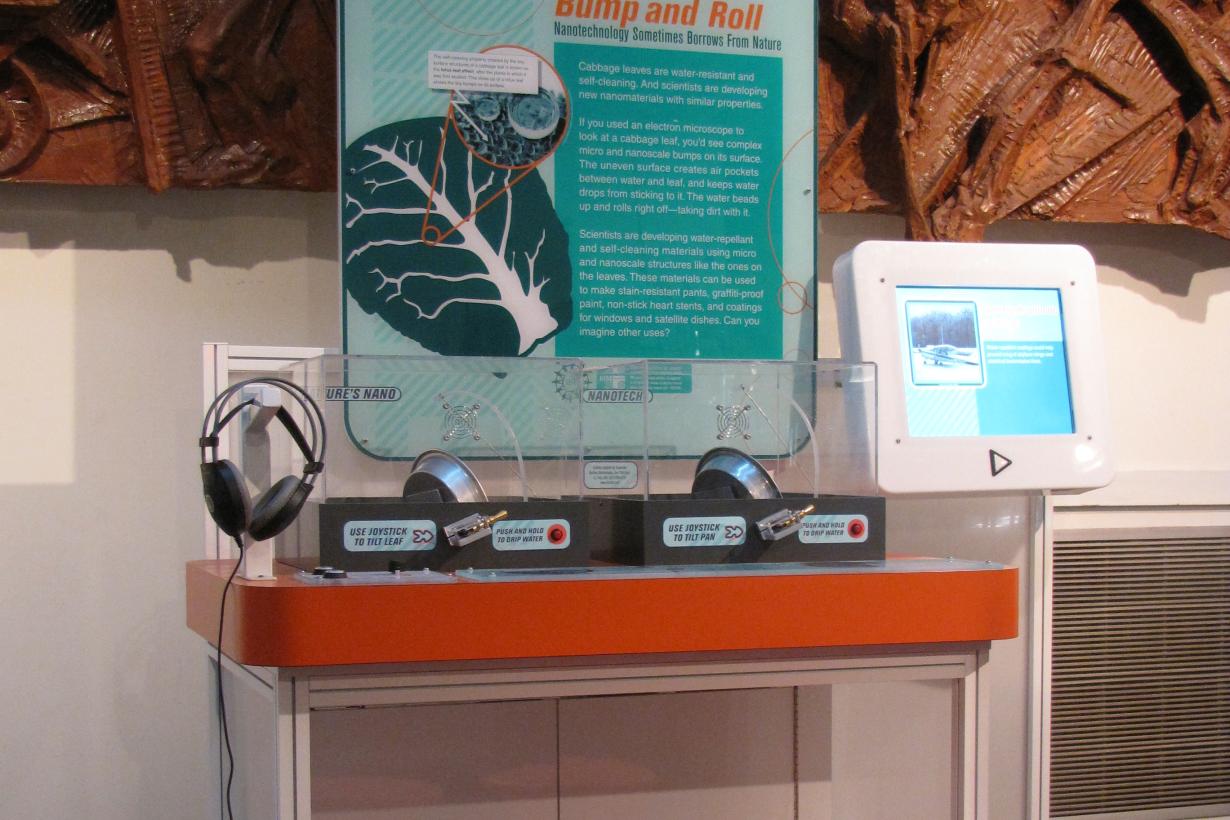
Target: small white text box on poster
513, 73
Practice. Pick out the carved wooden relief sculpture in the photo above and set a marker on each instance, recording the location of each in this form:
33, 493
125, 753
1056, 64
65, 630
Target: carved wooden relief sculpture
958, 113
195, 93
64, 97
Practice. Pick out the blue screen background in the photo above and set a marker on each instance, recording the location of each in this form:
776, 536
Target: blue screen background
1015, 372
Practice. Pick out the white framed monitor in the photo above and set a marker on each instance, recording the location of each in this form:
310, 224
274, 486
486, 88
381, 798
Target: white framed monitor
989, 361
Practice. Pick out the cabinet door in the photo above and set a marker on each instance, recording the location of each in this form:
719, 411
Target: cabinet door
876, 751
442, 762
700, 754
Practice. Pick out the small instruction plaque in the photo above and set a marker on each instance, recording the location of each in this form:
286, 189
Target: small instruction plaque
545, 534
389, 536
833, 529
610, 475
709, 531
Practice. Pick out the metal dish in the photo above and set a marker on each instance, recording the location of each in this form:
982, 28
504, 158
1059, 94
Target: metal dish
444, 473
726, 467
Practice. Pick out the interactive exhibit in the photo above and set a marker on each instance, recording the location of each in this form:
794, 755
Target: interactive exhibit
596, 502
453, 465
985, 358
990, 362
641, 404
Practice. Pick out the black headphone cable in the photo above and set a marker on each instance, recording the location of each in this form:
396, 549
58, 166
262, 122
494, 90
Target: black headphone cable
315, 461
226, 735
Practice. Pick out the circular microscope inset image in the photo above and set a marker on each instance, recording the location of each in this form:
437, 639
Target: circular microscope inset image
487, 107
513, 130
534, 118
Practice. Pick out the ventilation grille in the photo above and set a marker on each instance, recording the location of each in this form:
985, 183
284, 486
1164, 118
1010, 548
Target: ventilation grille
1140, 681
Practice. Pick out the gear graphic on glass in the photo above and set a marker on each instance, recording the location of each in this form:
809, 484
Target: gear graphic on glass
460, 420
732, 421
565, 382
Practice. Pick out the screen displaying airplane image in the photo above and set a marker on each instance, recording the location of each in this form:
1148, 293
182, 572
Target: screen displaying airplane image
984, 361
943, 342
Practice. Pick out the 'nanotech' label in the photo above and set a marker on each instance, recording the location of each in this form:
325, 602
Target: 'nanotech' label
717, 531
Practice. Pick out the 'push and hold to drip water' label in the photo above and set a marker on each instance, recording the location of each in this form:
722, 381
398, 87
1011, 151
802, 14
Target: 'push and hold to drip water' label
833, 529
544, 534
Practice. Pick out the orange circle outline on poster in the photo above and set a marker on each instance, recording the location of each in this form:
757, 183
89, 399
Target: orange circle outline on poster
426, 10
799, 291
795, 287
450, 125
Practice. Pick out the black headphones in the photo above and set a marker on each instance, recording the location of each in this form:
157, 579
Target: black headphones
226, 496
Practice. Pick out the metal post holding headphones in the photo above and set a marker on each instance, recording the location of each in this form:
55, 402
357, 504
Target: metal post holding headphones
226, 495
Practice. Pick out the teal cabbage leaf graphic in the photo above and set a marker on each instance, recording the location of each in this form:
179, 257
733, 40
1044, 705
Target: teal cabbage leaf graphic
498, 285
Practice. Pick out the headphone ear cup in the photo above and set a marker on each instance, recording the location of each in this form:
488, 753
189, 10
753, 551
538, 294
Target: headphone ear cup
277, 507
226, 497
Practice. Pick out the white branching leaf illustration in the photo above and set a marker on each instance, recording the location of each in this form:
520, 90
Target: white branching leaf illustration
517, 291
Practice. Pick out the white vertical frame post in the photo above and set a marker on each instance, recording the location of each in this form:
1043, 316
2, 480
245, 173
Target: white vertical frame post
971, 735
257, 561
294, 753
220, 362
1039, 727
215, 373
814, 793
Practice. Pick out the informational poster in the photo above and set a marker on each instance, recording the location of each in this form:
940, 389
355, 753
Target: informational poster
595, 178
605, 179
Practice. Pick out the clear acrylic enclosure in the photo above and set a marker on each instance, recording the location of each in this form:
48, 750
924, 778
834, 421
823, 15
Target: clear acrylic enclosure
515, 423
615, 399
810, 425
557, 428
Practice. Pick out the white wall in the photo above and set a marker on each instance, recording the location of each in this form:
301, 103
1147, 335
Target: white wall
108, 295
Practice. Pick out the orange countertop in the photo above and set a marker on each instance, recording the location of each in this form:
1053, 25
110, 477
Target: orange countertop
287, 622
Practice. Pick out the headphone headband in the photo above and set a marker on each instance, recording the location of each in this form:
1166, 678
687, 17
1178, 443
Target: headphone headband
226, 496
311, 410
